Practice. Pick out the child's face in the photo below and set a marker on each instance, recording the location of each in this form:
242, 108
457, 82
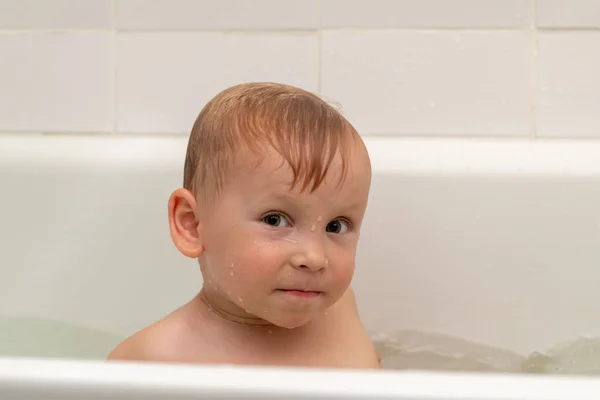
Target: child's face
277, 254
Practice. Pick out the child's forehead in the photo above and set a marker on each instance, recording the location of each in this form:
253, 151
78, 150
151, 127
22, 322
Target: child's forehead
271, 171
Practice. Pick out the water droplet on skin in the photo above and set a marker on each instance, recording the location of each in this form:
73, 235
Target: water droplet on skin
291, 240
240, 299
214, 287
319, 218
210, 281
312, 228
232, 265
326, 262
289, 273
326, 313
270, 332
231, 273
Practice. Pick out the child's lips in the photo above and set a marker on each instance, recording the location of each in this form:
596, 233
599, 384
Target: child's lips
305, 294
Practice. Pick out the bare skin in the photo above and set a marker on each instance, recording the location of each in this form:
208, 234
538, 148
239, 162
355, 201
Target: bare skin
196, 334
277, 263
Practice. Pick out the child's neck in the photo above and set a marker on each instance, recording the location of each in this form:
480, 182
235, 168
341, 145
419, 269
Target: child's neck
216, 306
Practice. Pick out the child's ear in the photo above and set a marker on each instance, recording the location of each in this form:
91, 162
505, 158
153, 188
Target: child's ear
184, 224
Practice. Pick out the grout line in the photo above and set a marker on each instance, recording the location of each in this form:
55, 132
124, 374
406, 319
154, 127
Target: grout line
569, 28
92, 134
263, 31
400, 136
115, 65
284, 31
20, 31
534, 90
319, 48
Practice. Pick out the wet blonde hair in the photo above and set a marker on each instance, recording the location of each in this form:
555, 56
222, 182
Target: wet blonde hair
305, 130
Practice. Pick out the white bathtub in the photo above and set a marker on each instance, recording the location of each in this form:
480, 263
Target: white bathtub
490, 241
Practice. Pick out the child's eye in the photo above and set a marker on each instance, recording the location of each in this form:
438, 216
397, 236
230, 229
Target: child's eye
275, 219
338, 226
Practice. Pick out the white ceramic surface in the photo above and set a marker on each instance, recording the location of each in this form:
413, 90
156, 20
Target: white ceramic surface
43, 379
490, 241
493, 241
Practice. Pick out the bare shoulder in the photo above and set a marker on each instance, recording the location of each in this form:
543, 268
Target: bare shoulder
161, 341
351, 333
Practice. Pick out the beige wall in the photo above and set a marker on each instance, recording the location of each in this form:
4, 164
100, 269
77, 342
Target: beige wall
398, 67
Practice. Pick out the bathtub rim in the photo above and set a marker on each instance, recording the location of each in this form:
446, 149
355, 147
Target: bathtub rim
105, 379
389, 154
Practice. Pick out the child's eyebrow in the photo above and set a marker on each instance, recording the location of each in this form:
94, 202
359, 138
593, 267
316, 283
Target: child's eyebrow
278, 196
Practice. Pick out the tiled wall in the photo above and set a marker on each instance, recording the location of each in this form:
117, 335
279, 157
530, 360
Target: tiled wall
528, 68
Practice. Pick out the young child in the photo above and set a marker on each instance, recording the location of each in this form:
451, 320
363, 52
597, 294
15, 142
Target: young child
276, 184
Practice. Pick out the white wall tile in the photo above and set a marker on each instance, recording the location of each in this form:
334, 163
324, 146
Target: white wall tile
221, 14
56, 82
443, 83
164, 79
426, 13
56, 14
568, 13
569, 104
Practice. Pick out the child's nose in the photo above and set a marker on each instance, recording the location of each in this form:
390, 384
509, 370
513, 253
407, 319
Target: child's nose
310, 255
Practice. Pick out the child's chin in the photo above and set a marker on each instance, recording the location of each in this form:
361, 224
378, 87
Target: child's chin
291, 323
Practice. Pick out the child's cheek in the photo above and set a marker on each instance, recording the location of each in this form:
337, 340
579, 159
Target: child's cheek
262, 259
344, 269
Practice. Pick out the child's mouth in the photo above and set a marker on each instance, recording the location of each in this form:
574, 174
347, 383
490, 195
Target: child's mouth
305, 294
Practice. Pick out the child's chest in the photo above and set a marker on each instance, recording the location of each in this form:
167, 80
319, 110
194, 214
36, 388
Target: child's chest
316, 348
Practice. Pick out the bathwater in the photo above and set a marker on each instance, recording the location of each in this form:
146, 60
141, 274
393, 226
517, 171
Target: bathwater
38, 337
406, 349
421, 350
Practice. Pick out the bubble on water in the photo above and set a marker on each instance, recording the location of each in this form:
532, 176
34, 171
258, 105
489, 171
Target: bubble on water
240, 299
319, 218
312, 228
